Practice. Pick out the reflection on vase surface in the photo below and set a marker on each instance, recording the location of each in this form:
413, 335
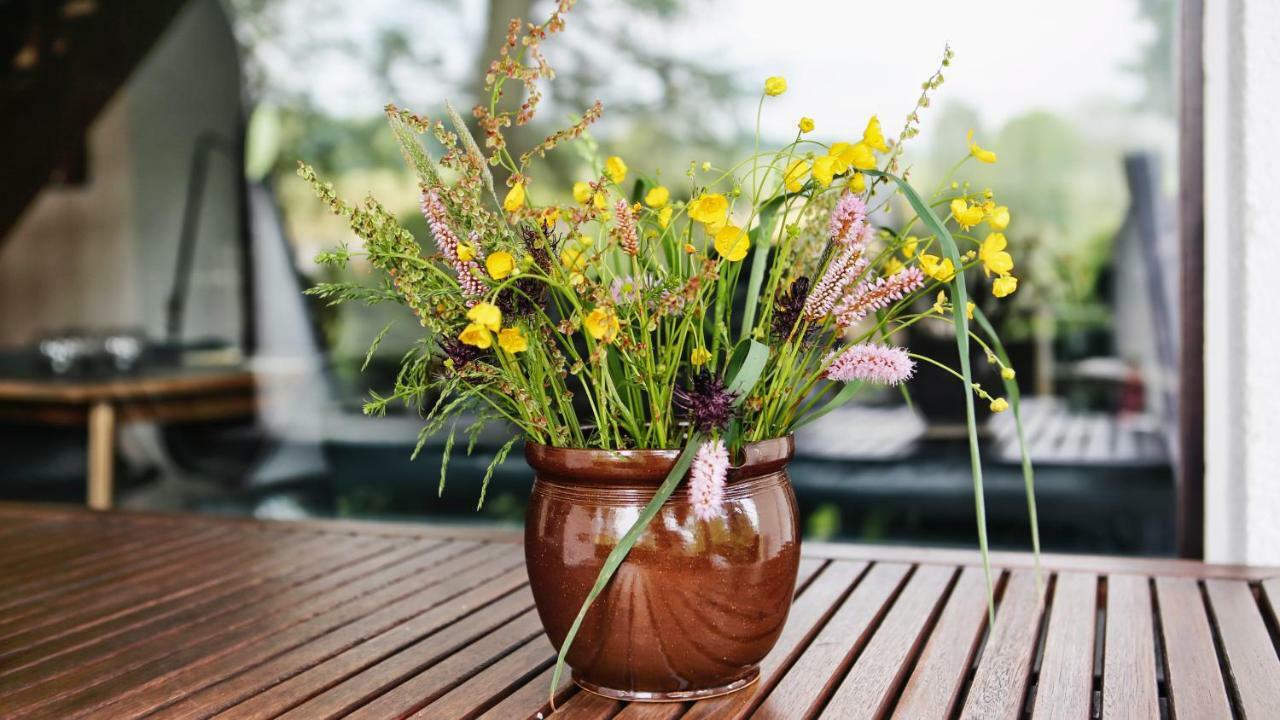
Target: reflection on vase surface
697, 604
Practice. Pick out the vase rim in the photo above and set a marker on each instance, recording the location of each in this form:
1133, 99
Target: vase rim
645, 467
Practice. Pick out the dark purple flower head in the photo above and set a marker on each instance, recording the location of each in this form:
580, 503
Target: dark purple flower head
459, 352
706, 403
787, 306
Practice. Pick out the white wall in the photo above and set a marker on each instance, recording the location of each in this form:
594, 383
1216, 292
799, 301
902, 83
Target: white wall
101, 255
1242, 289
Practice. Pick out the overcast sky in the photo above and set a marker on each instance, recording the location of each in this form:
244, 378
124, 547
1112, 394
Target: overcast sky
841, 58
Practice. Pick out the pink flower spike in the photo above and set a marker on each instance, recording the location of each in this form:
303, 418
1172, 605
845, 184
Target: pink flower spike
869, 297
437, 216
868, 362
848, 225
706, 479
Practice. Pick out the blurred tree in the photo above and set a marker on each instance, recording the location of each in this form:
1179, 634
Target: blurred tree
1156, 64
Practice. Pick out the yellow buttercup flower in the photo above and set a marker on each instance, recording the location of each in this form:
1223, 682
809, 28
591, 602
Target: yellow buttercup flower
775, 85
1004, 286
825, 169
710, 209
968, 308
515, 198
793, 177
476, 335
999, 405
857, 183
500, 264
602, 324
582, 192
466, 253
940, 303
977, 151
657, 197
699, 356
806, 124
965, 214
909, 246
615, 168
512, 340
549, 216
892, 267
732, 243
941, 269
858, 155
873, 136
664, 217
993, 256
998, 218
487, 315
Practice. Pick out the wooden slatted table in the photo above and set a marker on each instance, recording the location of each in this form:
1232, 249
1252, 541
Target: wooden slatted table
110, 615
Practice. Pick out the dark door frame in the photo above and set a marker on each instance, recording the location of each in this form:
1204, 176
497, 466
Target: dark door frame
1190, 220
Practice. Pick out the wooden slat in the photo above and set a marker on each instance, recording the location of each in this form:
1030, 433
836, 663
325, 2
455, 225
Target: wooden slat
293, 678
424, 686
806, 686
300, 594
875, 679
330, 632
530, 701
1196, 688
811, 609
1065, 688
1001, 680
143, 666
1251, 659
125, 615
1129, 689
935, 684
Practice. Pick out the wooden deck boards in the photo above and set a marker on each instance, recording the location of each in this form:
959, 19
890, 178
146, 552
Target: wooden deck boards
115, 615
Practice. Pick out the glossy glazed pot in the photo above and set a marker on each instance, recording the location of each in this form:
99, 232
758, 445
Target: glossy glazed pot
697, 604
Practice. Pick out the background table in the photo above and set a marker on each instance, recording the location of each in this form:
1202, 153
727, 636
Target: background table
162, 395
121, 616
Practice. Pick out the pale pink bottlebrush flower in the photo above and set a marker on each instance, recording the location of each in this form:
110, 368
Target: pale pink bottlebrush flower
843, 270
437, 216
869, 362
869, 296
848, 225
706, 478
625, 229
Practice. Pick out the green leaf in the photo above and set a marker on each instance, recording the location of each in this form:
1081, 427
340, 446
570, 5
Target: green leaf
621, 550
760, 235
1015, 404
745, 366
845, 395
960, 299
744, 378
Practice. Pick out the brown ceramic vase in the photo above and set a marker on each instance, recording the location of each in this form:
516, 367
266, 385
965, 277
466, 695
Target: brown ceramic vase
697, 604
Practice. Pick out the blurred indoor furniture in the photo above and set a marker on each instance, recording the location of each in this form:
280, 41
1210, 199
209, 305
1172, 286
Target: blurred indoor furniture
160, 394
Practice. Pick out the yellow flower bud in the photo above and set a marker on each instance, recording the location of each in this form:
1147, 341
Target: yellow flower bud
512, 340
775, 85
515, 198
500, 264
1004, 286
476, 335
732, 243
999, 405
700, 356
978, 152
486, 315
806, 124
602, 324
1008, 373
657, 197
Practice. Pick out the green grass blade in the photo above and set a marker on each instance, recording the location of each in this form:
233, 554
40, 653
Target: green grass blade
1015, 404
960, 300
620, 551
761, 236
845, 395
745, 368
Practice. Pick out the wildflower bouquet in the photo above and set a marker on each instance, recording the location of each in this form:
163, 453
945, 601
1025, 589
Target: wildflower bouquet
734, 306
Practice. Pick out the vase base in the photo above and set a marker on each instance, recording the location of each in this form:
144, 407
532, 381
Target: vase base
675, 696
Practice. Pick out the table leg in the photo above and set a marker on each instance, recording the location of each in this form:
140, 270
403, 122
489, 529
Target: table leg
102, 454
